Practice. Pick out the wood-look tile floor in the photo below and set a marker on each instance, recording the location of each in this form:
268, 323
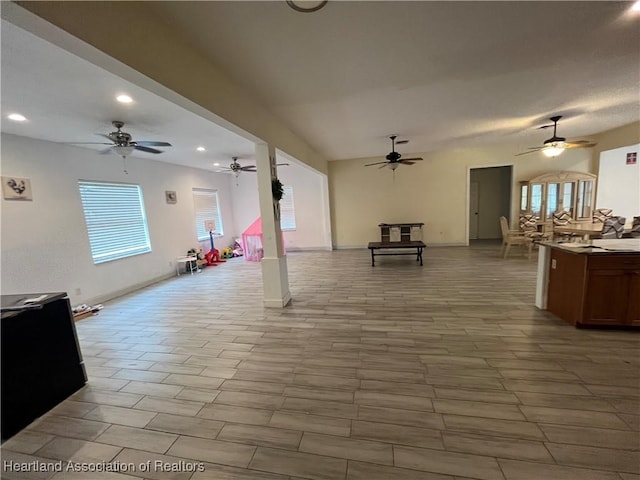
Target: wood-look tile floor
440, 372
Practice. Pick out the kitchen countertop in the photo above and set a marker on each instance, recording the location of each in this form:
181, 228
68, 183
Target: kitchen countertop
624, 246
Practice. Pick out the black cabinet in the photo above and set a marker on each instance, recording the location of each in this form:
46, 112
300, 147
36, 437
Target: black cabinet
41, 359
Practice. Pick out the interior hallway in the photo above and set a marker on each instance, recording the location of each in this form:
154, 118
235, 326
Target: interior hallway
440, 372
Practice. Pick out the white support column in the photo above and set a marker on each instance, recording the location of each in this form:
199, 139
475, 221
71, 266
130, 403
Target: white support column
275, 277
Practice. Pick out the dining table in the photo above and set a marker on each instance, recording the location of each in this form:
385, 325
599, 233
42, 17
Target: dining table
584, 230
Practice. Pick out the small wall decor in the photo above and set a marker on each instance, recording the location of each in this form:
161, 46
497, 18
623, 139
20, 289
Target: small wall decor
277, 189
14, 188
172, 197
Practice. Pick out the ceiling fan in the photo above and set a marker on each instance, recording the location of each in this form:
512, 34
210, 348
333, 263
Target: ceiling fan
236, 168
122, 145
555, 145
393, 159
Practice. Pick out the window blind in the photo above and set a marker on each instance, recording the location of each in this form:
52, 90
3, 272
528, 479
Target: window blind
287, 210
206, 208
116, 220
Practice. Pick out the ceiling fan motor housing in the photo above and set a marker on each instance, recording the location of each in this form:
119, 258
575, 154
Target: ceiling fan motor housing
120, 138
555, 140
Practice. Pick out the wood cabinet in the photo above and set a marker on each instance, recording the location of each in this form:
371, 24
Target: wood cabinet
572, 192
400, 232
594, 288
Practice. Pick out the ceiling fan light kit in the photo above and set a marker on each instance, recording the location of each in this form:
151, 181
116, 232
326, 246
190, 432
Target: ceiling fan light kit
123, 150
553, 150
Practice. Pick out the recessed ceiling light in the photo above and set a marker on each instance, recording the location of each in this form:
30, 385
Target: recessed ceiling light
216, 164
201, 149
16, 117
636, 6
124, 99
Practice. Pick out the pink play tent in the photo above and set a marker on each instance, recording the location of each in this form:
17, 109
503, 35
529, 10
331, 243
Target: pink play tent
252, 242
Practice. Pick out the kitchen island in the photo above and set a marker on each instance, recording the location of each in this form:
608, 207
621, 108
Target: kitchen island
596, 283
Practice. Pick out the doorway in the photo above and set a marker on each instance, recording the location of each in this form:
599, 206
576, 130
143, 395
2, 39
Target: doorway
489, 199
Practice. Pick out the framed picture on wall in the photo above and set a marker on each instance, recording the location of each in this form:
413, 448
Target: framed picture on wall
14, 188
171, 197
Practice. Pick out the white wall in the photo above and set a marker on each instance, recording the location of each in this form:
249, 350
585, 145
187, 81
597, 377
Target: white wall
310, 203
45, 247
619, 183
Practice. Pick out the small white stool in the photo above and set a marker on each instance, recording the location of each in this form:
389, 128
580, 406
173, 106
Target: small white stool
191, 260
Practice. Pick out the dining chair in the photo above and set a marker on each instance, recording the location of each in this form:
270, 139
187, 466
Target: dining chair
513, 237
530, 225
613, 227
601, 214
635, 228
561, 218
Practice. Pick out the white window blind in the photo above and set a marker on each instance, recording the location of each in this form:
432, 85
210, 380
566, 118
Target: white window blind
116, 220
206, 208
287, 211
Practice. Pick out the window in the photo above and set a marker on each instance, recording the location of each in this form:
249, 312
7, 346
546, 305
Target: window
206, 208
568, 197
552, 198
536, 199
116, 221
287, 212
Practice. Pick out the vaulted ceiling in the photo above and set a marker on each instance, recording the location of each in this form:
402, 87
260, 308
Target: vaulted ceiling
344, 78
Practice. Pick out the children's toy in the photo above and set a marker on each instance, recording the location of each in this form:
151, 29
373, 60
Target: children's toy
252, 242
200, 259
227, 252
237, 248
213, 255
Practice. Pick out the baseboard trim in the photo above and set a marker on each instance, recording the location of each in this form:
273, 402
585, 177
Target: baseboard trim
278, 303
129, 289
322, 248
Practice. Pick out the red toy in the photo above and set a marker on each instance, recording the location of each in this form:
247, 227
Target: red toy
213, 255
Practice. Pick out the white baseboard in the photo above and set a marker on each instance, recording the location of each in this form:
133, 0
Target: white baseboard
322, 248
129, 289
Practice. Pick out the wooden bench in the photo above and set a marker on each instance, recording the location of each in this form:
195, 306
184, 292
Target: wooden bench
374, 246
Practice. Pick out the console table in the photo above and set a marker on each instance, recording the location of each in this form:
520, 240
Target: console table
41, 360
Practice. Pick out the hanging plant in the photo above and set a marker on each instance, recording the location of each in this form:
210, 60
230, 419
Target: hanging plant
277, 189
